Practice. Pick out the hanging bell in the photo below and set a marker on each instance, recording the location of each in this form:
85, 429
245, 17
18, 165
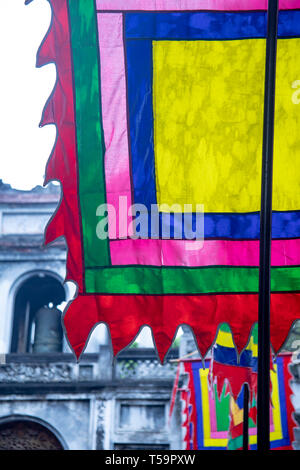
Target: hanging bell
48, 333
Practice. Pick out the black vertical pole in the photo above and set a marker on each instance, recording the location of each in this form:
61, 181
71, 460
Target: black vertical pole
246, 417
263, 390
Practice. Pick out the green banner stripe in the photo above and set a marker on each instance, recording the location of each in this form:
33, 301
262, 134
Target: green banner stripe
236, 443
222, 409
89, 132
204, 280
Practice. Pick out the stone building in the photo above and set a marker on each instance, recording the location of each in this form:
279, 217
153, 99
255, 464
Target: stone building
47, 400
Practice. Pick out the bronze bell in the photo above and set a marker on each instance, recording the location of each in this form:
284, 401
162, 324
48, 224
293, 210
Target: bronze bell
48, 333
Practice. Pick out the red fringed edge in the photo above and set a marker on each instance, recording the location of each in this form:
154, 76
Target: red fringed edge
292, 423
62, 164
125, 315
190, 411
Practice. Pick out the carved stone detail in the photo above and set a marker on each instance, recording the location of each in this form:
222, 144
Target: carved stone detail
144, 368
36, 373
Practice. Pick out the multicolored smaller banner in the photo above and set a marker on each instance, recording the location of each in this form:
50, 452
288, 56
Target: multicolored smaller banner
281, 422
207, 418
214, 421
227, 366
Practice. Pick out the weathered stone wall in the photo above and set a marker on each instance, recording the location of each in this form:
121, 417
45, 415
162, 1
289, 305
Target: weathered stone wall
85, 406
82, 402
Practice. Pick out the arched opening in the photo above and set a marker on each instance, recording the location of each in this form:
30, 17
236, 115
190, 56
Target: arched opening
18, 433
39, 291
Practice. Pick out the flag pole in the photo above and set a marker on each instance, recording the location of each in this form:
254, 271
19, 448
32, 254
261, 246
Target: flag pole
246, 417
263, 385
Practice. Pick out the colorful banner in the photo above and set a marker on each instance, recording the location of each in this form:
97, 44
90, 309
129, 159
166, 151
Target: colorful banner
215, 421
227, 365
159, 110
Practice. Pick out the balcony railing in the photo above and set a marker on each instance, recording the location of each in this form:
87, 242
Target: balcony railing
131, 364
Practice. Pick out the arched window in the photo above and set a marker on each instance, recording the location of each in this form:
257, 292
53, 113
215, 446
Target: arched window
39, 291
22, 433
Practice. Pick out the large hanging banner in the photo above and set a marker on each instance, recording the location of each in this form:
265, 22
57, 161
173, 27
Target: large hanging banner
159, 110
213, 420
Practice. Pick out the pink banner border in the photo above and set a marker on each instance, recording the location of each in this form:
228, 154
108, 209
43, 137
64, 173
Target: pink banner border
191, 5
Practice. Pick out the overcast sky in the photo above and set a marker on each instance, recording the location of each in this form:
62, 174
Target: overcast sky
24, 89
